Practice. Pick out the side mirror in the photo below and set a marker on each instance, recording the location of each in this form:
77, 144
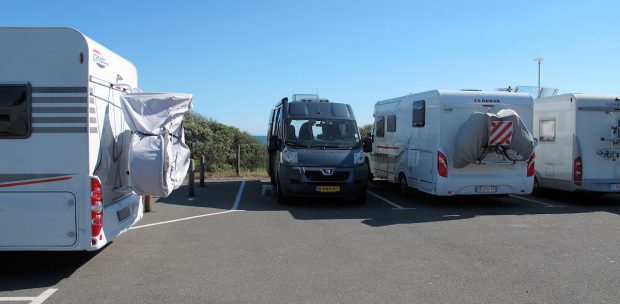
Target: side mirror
535, 142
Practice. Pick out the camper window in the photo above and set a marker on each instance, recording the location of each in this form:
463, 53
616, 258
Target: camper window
419, 109
380, 126
391, 123
547, 130
15, 111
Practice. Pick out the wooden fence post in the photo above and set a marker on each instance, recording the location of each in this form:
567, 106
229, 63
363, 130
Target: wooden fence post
202, 171
192, 193
238, 159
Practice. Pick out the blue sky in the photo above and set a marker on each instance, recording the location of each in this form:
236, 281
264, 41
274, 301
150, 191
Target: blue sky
239, 58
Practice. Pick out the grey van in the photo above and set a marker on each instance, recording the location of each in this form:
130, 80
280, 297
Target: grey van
315, 150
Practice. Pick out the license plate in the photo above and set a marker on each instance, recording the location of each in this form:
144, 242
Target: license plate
123, 213
328, 188
614, 187
486, 189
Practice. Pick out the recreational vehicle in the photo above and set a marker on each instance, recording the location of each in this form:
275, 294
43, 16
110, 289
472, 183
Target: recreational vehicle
579, 142
64, 141
455, 142
315, 150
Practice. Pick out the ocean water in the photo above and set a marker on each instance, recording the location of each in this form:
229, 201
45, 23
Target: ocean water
261, 138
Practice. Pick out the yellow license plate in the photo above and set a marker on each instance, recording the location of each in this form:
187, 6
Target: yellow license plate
328, 188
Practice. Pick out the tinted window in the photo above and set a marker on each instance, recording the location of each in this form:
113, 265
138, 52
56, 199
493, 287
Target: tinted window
419, 112
15, 111
391, 123
380, 126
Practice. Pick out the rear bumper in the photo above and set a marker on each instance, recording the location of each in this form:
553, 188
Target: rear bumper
467, 185
303, 181
599, 185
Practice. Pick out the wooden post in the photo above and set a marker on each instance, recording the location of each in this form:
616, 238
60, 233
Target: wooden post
238, 160
148, 203
202, 171
192, 193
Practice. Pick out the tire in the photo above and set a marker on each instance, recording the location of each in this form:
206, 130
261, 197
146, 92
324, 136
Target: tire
537, 188
281, 198
403, 186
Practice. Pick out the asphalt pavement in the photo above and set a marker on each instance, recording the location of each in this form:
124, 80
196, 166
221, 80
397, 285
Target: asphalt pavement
229, 244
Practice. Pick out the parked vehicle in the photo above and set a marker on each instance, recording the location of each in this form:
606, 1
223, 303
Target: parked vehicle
315, 150
451, 142
579, 147
65, 145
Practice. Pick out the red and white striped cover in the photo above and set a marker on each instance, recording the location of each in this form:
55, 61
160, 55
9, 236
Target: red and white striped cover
500, 133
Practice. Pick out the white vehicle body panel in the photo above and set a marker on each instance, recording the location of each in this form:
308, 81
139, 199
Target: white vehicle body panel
45, 178
412, 151
580, 121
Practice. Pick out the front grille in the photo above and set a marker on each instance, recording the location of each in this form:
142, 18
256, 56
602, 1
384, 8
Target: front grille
317, 176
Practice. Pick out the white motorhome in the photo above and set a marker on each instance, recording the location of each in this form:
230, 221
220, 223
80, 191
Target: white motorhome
415, 143
579, 142
59, 90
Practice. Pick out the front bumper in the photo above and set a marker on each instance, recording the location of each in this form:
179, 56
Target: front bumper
303, 181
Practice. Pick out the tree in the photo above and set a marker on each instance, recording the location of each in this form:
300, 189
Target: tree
217, 143
365, 129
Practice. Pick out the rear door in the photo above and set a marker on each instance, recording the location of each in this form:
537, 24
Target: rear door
598, 155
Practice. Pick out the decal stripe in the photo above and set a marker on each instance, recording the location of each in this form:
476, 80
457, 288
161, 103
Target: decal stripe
36, 182
59, 89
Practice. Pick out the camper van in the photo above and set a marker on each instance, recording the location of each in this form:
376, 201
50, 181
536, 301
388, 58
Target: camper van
455, 142
59, 90
315, 150
579, 142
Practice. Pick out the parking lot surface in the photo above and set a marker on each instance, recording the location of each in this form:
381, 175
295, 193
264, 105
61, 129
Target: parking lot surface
229, 244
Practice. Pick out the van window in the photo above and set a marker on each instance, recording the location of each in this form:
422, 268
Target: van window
15, 111
547, 130
419, 112
326, 133
270, 125
391, 123
276, 121
380, 126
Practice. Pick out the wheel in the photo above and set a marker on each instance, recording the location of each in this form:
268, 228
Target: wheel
537, 189
282, 199
404, 187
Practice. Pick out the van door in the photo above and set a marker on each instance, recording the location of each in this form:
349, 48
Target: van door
426, 171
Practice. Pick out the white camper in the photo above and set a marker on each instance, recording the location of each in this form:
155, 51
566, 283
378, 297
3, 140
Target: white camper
455, 142
64, 182
579, 142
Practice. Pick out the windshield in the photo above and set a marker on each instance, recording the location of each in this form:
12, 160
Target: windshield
322, 133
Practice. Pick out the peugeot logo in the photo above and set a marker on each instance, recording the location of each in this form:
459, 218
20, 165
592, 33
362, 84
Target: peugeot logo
327, 172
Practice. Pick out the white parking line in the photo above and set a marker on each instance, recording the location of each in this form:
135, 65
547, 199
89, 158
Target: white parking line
183, 219
397, 206
538, 202
33, 300
239, 194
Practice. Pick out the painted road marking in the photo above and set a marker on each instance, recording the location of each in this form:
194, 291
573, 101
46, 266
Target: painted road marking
33, 300
396, 206
239, 194
184, 219
538, 202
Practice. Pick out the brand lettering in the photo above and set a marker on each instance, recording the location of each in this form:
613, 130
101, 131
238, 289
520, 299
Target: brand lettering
487, 100
99, 59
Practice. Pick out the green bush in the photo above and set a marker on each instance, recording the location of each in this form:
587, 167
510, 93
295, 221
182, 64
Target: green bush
218, 142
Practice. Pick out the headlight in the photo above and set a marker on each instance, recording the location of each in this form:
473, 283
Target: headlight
289, 156
358, 157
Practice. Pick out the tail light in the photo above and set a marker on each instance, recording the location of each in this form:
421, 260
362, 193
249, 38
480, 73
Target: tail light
530, 165
96, 208
442, 164
577, 171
